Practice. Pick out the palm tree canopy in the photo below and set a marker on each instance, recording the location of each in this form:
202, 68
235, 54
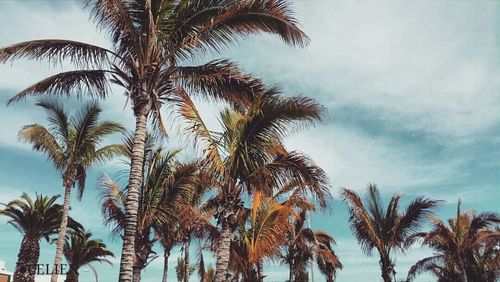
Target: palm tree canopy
385, 228
263, 230
249, 150
80, 249
151, 40
167, 187
73, 142
304, 244
38, 218
470, 239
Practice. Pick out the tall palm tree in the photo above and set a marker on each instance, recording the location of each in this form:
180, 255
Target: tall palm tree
261, 230
248, 155
467, 250
80, 250
305, 244
151, 39
73, 145
385, 229
35, 220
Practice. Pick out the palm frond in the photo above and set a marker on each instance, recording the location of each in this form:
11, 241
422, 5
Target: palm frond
55, 51
361, 225
415, 216
188, 110
423, 265
57, 118
117, 18
42, 140
91, 82
213, 25
221, 80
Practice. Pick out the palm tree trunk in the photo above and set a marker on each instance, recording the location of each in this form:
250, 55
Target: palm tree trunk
260, 270
222, 264
72, 275
68, 185
290, 273
132, 204
463, 271
136, 274
27, 260
387, 269
166, 255
186, 258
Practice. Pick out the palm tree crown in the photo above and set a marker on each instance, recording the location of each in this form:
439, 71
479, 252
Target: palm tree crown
467, 250
72, 143
303, 245
80, 250
261, 230
385, 229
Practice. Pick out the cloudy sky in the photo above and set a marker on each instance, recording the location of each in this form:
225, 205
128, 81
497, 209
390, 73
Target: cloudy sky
411, 88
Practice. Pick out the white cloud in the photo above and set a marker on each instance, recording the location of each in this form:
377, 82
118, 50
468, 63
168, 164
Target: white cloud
426, 67
353, 159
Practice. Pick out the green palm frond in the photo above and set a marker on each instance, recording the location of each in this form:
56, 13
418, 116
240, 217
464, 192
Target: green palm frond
80, 249
43, 141
38, 218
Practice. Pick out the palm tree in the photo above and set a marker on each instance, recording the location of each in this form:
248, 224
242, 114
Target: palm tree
150, 38
261, 230
208, 274
73, 145
35, 220
168, 187
185, 189
248, 155
385, 229
305, 244
468, 250
183, 270
80, 250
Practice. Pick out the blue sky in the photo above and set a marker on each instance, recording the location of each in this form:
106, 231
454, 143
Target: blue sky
411, 88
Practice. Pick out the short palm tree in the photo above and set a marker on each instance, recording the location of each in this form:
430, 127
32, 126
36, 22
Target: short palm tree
248, 156
73, 145
190, 220
184, 191
151, 40
206, 275
35, 220
183, 269
167, 188
467, 250
385, 229
261, 231
303, 245
81, 250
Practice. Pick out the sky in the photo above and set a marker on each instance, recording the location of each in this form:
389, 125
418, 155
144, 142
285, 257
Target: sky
411, 90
